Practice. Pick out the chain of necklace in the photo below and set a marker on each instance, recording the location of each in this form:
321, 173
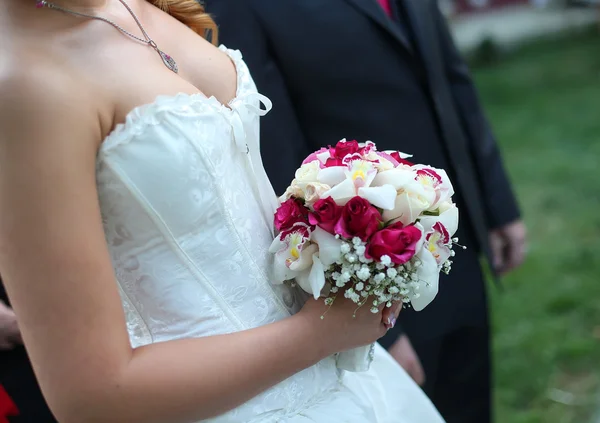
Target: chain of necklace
167, 60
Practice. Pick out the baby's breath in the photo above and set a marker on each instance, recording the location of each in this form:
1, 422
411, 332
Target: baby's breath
367, 281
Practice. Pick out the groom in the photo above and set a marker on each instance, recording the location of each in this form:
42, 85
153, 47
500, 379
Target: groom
388, 71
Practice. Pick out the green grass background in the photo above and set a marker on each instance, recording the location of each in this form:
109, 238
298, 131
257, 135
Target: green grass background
544, 103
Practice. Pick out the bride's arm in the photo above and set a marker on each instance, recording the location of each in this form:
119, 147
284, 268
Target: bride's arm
57, 270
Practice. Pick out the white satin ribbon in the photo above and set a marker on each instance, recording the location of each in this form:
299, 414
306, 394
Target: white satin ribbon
246, 142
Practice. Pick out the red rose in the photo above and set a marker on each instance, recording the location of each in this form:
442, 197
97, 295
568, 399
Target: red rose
334, 161
327, 213
344, 148
395, 241
359, 218
396, 155
289, 213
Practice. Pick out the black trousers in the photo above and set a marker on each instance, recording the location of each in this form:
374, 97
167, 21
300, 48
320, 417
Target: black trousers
458, 371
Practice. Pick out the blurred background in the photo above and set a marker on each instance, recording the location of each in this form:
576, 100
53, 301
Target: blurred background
537, 66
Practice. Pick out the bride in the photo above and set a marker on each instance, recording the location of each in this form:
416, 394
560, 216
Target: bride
136, 221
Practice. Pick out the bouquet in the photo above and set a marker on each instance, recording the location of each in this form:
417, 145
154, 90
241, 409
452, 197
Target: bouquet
367, 225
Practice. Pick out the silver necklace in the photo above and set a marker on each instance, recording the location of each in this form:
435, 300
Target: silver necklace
167, 60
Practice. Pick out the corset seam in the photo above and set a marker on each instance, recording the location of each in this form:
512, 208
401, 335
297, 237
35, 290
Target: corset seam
265, 285
147, 337
176, 248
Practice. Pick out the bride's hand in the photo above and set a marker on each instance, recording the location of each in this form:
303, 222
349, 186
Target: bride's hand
343, 326
390, 315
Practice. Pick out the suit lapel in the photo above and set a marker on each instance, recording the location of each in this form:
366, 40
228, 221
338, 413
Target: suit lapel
423, 29
420, 16
378, 16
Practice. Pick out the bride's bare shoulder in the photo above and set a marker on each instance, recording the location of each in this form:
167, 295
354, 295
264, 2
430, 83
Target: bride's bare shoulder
39, 96
23, 80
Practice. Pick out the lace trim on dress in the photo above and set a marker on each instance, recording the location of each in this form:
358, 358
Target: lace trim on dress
147, 114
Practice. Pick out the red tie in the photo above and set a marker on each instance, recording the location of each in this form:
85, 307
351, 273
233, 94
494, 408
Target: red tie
7, 406
386, 6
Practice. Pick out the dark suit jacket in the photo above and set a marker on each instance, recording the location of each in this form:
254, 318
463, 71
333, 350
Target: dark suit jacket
342, 69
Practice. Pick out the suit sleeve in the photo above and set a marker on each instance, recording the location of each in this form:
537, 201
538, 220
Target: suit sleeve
499, 200
283, 145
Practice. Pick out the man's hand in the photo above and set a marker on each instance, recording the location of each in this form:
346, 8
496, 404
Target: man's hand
10, 336
405, 355
508, 245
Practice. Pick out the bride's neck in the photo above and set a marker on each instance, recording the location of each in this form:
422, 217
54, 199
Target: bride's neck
21, 17
27, 6
77, 4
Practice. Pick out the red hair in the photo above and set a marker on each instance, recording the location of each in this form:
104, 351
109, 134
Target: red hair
190, 13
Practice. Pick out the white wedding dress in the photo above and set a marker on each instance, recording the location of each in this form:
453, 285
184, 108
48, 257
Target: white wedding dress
187, 212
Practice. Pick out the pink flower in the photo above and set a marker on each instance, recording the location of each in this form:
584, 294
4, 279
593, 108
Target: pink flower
326, 214
400, 160
344, 148
315, 156
388, 157
359, 218
396, 241
367, 148
290, 213
334, 161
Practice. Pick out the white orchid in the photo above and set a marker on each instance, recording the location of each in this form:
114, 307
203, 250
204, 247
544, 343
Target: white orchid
436, 180
304, 257
439, 244
411, 198
329, 246
427, 278
380, 161
355, 180
293, 254
447, 215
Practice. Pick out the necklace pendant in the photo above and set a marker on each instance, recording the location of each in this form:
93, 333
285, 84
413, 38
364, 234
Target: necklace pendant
168, 61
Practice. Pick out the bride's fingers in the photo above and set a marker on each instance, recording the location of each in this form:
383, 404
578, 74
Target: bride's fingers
390, 315
400, 306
